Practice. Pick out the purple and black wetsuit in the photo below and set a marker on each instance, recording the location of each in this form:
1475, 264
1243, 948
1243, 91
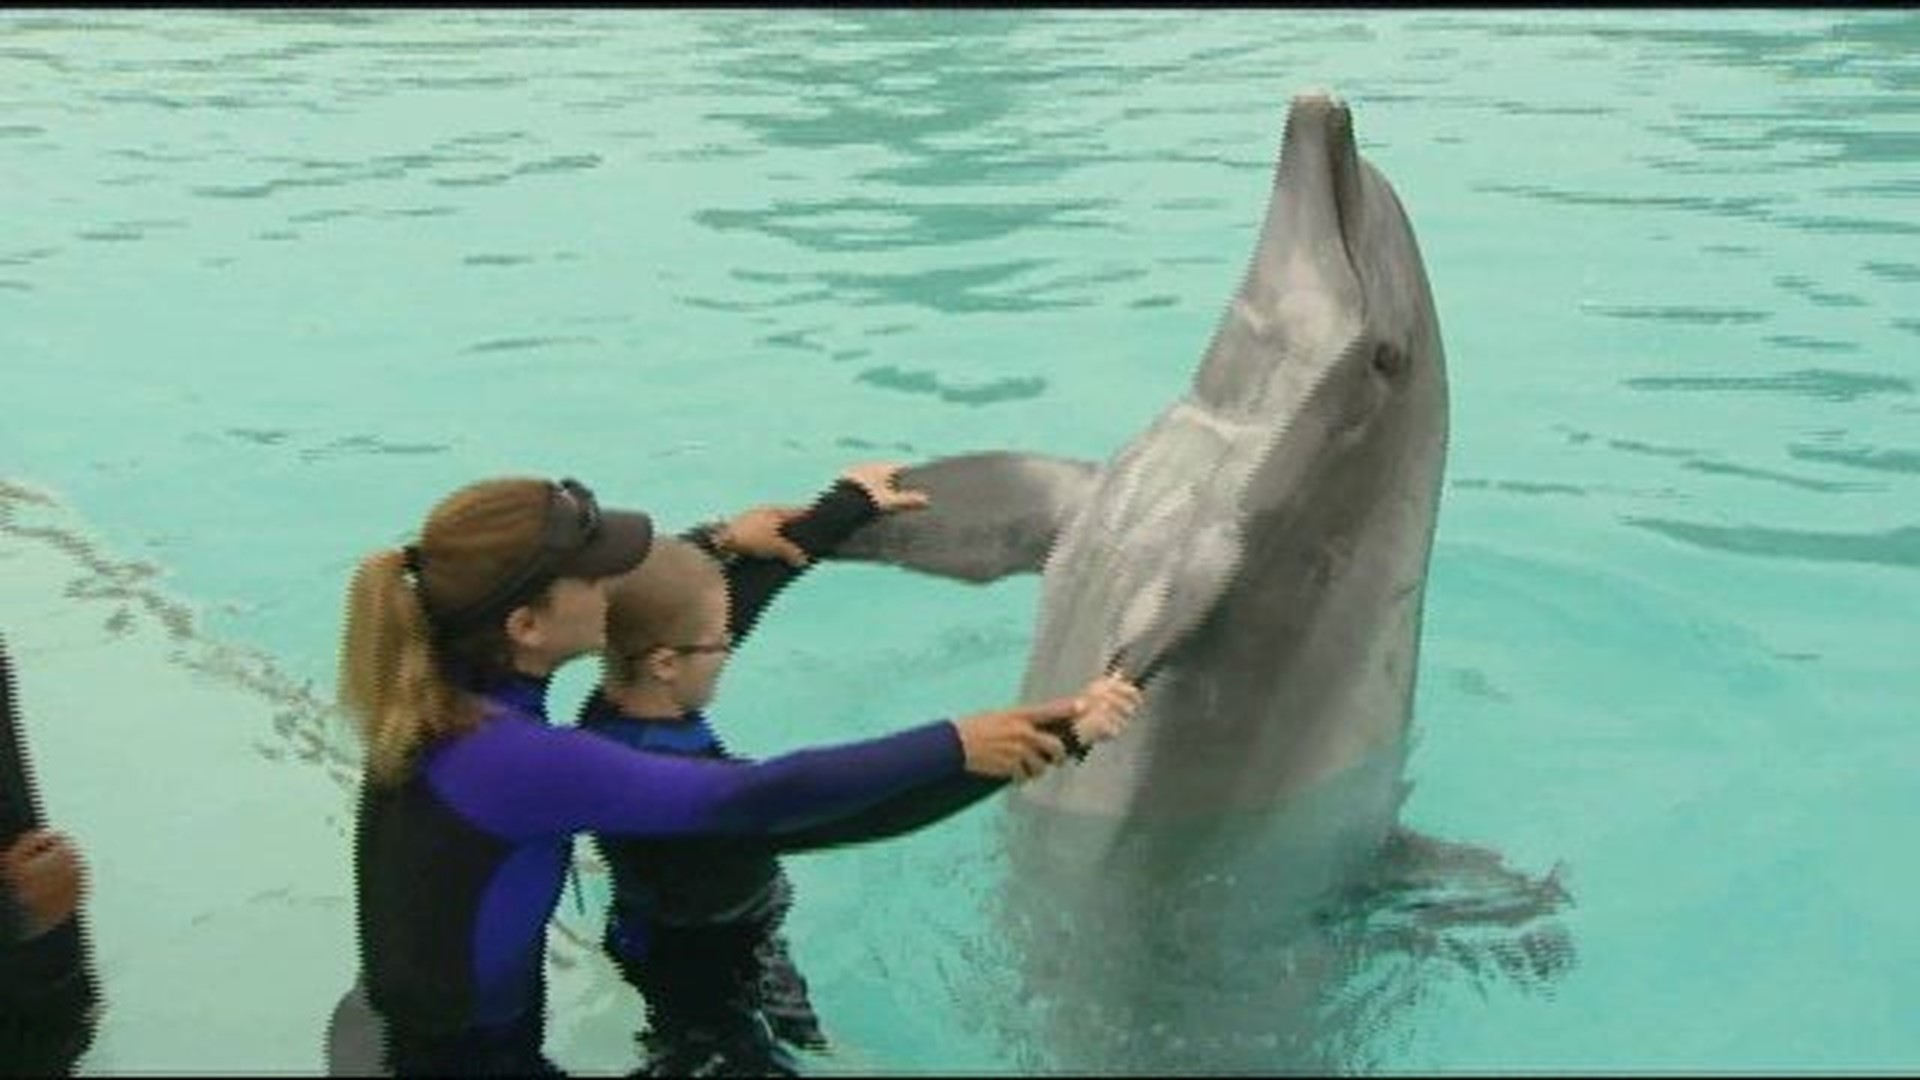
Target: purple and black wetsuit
458, 869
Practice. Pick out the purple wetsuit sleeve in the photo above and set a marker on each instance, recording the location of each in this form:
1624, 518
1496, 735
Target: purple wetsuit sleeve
522, 781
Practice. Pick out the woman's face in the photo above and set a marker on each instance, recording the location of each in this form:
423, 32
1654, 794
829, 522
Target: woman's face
571, 623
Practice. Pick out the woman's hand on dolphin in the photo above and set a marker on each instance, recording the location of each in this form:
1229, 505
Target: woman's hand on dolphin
1010, 744
1107, 705
756, 533
878, 480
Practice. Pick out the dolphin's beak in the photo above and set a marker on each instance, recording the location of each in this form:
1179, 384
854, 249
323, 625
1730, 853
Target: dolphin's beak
1302, 298
1316, 203
1319, 172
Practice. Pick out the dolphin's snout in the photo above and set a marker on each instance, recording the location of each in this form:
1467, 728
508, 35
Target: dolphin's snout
1316, 191
1318, 99
1319, 116
1317, 154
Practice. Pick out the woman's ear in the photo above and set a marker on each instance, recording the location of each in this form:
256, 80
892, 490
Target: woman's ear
523, 627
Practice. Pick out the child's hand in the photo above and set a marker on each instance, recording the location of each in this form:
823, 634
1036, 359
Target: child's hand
877, 480
1107, 705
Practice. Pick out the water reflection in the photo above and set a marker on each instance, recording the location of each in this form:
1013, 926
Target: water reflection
938, 94
1898, 547
1820, 385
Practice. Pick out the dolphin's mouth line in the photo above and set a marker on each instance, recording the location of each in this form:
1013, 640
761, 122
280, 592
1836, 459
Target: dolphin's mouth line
1343, 168
1343, 217
1342, 176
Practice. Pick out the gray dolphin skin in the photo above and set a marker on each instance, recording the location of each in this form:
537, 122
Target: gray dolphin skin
1217, 889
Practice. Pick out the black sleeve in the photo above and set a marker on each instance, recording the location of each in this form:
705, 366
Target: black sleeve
49, 1003
18, 814
902, 814
752, 583
29, 967
19, 809
910, 811
13, 920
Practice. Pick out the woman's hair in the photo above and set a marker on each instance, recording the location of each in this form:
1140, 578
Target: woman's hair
403, 683
660, 602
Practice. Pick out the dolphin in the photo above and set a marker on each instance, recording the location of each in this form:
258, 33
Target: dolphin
1202, 893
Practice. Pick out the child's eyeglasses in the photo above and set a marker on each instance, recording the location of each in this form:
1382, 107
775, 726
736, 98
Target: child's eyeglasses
724, 645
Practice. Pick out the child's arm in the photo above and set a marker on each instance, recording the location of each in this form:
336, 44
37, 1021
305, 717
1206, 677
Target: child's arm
1111, 700
753, 579
897, 816
753, 582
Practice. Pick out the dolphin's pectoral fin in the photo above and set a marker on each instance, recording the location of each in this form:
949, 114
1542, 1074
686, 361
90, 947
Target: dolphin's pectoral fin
1437, 899
988, 516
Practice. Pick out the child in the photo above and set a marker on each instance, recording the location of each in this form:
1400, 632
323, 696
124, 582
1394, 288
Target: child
694, 927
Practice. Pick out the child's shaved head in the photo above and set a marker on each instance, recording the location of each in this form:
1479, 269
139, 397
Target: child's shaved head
666, 600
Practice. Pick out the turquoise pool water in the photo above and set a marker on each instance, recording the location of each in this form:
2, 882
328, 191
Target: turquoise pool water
270, 284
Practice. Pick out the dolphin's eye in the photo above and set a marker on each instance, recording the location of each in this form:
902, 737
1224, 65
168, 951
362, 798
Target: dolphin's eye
1388, 361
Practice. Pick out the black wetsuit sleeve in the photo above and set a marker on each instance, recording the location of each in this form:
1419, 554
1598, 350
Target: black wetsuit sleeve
19, 810
13, 918
18, 814
36, 966
753, 582
912, 810
897, 816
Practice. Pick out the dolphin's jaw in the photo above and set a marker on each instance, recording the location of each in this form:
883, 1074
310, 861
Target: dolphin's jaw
1301, 303
1318, 172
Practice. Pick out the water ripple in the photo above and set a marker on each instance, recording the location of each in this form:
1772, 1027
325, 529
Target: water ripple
1842, 225
370, 444
1519, 487
864, 224
1899, 547
496, 260
1698, 461
1820, 384
129, 230
28, 256
1680, 313
1902, 272
926, 382
1722, 468
951, 290
1876, 460
519, 344
1808, 290
1802, 343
